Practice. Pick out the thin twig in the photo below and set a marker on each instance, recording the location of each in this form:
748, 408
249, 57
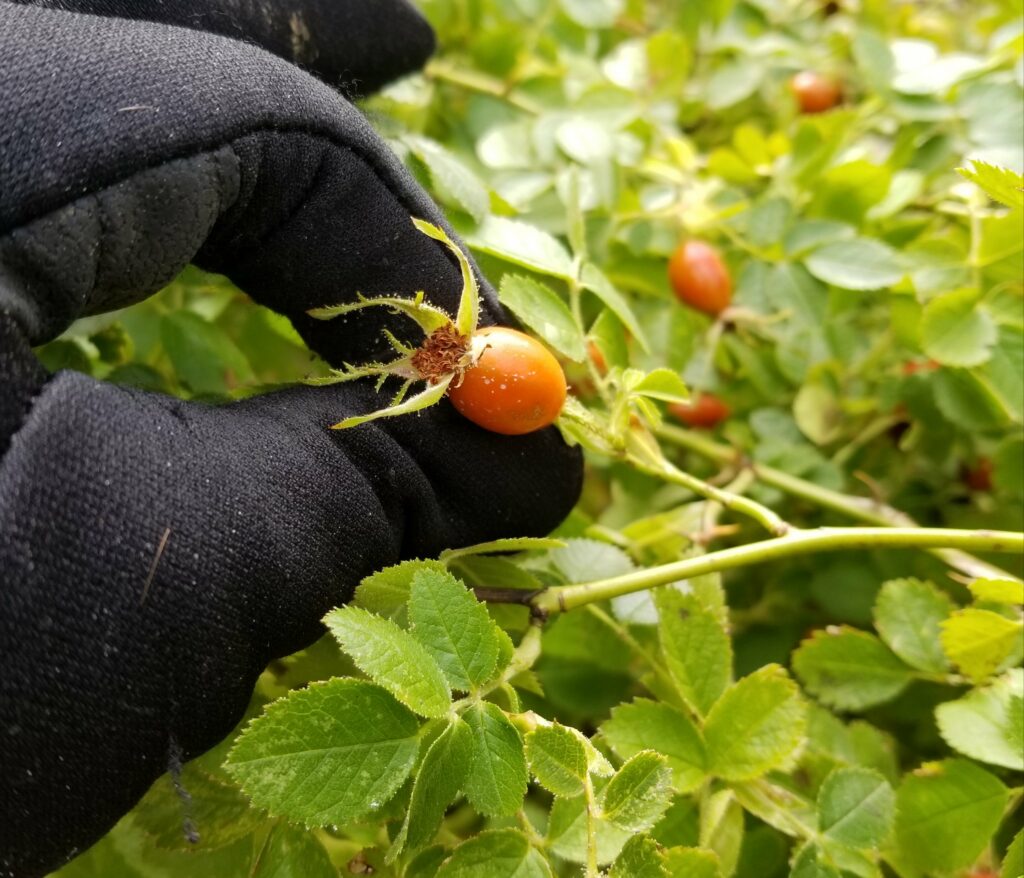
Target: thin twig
771, 521
474, 80
858, 508
506, 595
803, 542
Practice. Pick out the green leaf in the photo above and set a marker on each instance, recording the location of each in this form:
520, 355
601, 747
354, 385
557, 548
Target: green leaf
451, 178
756, 726
217, 810
818, 412
857, 264
662, 384
511, 544
522, 244
329, 753
848, 191
581, 560
205, 358
999, 184
908, 616
639, 792
438, 781
733, 82
683, 862
640, 858
956, 332
649, 725
813, 862
987, 724
585, 140
593, 13
469, 299
980, 641
558, 759
778, 806
386, 592
291, 852
502, 853
965, 398
874, 58
812, 234
722, 828
509, 145
1003, 374
454, 628
1013, 862
946, 813
543, 311
594, 280
849, 669
497, 779
697, 649
393, 658
610, 337
906, 187
1001, 237
855, 808
431, 394
998, 591
426, 863
567, 831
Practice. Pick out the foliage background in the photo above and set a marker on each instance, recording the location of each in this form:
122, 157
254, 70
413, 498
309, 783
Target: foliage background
875, 348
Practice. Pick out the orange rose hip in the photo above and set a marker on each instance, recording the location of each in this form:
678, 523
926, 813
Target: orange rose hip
514, 386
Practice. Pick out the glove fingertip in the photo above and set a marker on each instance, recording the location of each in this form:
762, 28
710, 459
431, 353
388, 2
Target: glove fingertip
399, 41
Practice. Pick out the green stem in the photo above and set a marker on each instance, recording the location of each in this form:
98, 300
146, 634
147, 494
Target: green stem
769, 520
623, 634
524, 658
473, 80
858, 508
799, 542
871, 432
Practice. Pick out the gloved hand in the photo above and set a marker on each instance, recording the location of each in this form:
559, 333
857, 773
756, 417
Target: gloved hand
155, 553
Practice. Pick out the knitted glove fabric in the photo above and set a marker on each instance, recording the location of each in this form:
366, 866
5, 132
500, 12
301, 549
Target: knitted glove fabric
355, 45
156, 553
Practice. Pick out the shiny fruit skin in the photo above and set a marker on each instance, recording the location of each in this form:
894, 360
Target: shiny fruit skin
515, 385
815, 92
704, 412
700, 278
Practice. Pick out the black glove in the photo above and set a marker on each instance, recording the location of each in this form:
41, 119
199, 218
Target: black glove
155, 553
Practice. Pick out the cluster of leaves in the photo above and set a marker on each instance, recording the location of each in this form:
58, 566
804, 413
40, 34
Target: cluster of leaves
875, 338
427, 750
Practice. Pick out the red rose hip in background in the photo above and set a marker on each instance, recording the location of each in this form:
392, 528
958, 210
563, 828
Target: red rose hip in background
815, 92
700, 278
706, 411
